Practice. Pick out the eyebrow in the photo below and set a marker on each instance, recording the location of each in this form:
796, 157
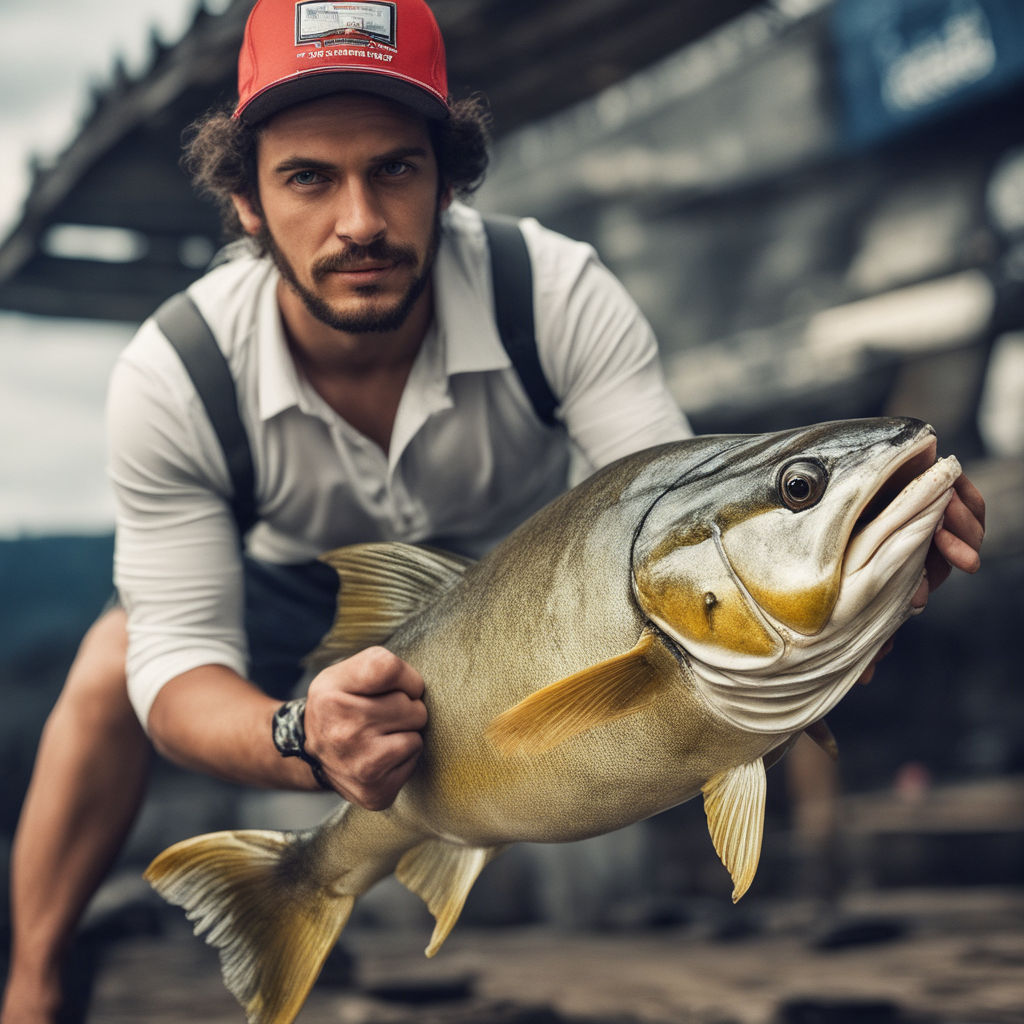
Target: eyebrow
300, 163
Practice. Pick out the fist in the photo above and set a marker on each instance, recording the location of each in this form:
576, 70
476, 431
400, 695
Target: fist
364, 722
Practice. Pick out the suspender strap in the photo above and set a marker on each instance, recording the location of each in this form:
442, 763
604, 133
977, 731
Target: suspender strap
512, 278
187, 331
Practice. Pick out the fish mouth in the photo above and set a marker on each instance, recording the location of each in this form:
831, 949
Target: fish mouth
917, 488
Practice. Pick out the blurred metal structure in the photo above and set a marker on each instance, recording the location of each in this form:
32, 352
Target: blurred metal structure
111, 226
820, 211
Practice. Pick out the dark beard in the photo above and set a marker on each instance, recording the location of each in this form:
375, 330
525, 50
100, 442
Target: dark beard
369, 320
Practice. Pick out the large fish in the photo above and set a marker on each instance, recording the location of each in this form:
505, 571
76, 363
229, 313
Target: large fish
665, 629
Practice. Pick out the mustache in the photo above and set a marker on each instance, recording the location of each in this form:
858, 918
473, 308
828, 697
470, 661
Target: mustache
353, 256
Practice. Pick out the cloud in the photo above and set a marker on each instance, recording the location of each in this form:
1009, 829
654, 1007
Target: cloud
53, 381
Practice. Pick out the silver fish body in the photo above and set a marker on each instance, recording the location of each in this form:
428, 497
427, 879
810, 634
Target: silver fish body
665, 629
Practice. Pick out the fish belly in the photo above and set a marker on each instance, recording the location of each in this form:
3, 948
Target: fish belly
622, 772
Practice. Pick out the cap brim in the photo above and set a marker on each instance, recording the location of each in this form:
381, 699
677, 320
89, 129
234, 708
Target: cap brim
325, 83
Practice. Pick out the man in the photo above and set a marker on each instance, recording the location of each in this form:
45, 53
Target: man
379, 404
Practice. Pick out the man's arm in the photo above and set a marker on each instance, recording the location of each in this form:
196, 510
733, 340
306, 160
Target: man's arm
363, 720
181, 578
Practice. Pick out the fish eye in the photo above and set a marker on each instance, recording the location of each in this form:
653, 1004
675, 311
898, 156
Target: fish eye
801, 484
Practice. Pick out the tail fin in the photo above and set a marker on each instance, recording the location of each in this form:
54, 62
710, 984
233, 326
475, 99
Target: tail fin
272, 925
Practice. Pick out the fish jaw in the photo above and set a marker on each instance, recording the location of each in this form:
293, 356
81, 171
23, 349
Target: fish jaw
896, 541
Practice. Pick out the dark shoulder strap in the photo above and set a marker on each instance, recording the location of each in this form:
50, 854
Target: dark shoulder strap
512, 278
190, 335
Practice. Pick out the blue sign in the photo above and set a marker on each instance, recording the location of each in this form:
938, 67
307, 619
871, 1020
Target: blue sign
902, 62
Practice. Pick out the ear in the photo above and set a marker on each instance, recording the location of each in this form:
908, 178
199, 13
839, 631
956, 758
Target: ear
445, 199
248, 213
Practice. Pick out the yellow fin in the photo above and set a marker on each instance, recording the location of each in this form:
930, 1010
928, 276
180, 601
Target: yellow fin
822, 735
273, 929
601, 693
734, 805
382, 585
442, 874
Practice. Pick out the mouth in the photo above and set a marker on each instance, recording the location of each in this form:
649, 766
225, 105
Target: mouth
916, 463
917, 488
371, 272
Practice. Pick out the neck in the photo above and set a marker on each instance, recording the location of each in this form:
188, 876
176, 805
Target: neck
322, 350
360, 376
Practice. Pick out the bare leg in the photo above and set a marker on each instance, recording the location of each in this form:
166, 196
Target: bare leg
88, 782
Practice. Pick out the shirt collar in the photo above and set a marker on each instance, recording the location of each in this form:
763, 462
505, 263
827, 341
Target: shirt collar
280, 386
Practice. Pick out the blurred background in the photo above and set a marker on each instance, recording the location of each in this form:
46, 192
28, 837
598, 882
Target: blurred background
820, 207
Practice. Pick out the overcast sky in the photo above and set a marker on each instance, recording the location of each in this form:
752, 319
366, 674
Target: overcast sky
53, 373
50, 56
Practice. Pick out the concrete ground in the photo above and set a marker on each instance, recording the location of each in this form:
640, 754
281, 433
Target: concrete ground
916, 956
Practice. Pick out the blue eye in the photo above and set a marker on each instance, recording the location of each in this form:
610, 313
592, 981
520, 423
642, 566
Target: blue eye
393, 168
307, 178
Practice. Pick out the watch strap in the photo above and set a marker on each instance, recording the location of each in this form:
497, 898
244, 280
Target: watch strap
289, 733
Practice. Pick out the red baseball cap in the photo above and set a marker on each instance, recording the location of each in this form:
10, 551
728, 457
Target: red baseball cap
298, 50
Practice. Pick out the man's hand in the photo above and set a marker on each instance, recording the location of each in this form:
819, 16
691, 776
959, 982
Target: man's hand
363, 721
957, 541
956, 545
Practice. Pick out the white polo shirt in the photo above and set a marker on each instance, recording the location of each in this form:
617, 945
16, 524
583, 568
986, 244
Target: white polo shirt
468, 459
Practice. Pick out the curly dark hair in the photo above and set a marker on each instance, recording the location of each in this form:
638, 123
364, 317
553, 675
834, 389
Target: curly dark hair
220, 155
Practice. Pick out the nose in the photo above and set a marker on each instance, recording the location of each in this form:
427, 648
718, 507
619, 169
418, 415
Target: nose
360, 218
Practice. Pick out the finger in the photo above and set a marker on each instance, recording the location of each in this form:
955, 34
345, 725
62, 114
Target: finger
356, 726
375, 783
388, 713
971, 497
936, 568
957, 552
961, 521
390, 754
374, 670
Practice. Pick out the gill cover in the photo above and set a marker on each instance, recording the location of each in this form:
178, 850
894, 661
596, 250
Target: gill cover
741, 546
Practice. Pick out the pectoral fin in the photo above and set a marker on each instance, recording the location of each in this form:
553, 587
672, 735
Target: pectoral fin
442, 875
601, 693
734, 805
382, 585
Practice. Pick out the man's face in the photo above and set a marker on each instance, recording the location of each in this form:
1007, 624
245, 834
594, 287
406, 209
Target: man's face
349, 208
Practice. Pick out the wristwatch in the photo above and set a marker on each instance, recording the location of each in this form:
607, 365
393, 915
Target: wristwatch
289, 732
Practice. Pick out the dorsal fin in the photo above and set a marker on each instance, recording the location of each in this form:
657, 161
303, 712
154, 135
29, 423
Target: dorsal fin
734, 805
381, 586
599, 693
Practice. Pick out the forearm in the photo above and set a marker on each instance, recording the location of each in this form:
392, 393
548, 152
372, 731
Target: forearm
211, 720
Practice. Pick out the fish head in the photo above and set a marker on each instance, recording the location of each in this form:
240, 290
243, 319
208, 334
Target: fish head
780, 563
